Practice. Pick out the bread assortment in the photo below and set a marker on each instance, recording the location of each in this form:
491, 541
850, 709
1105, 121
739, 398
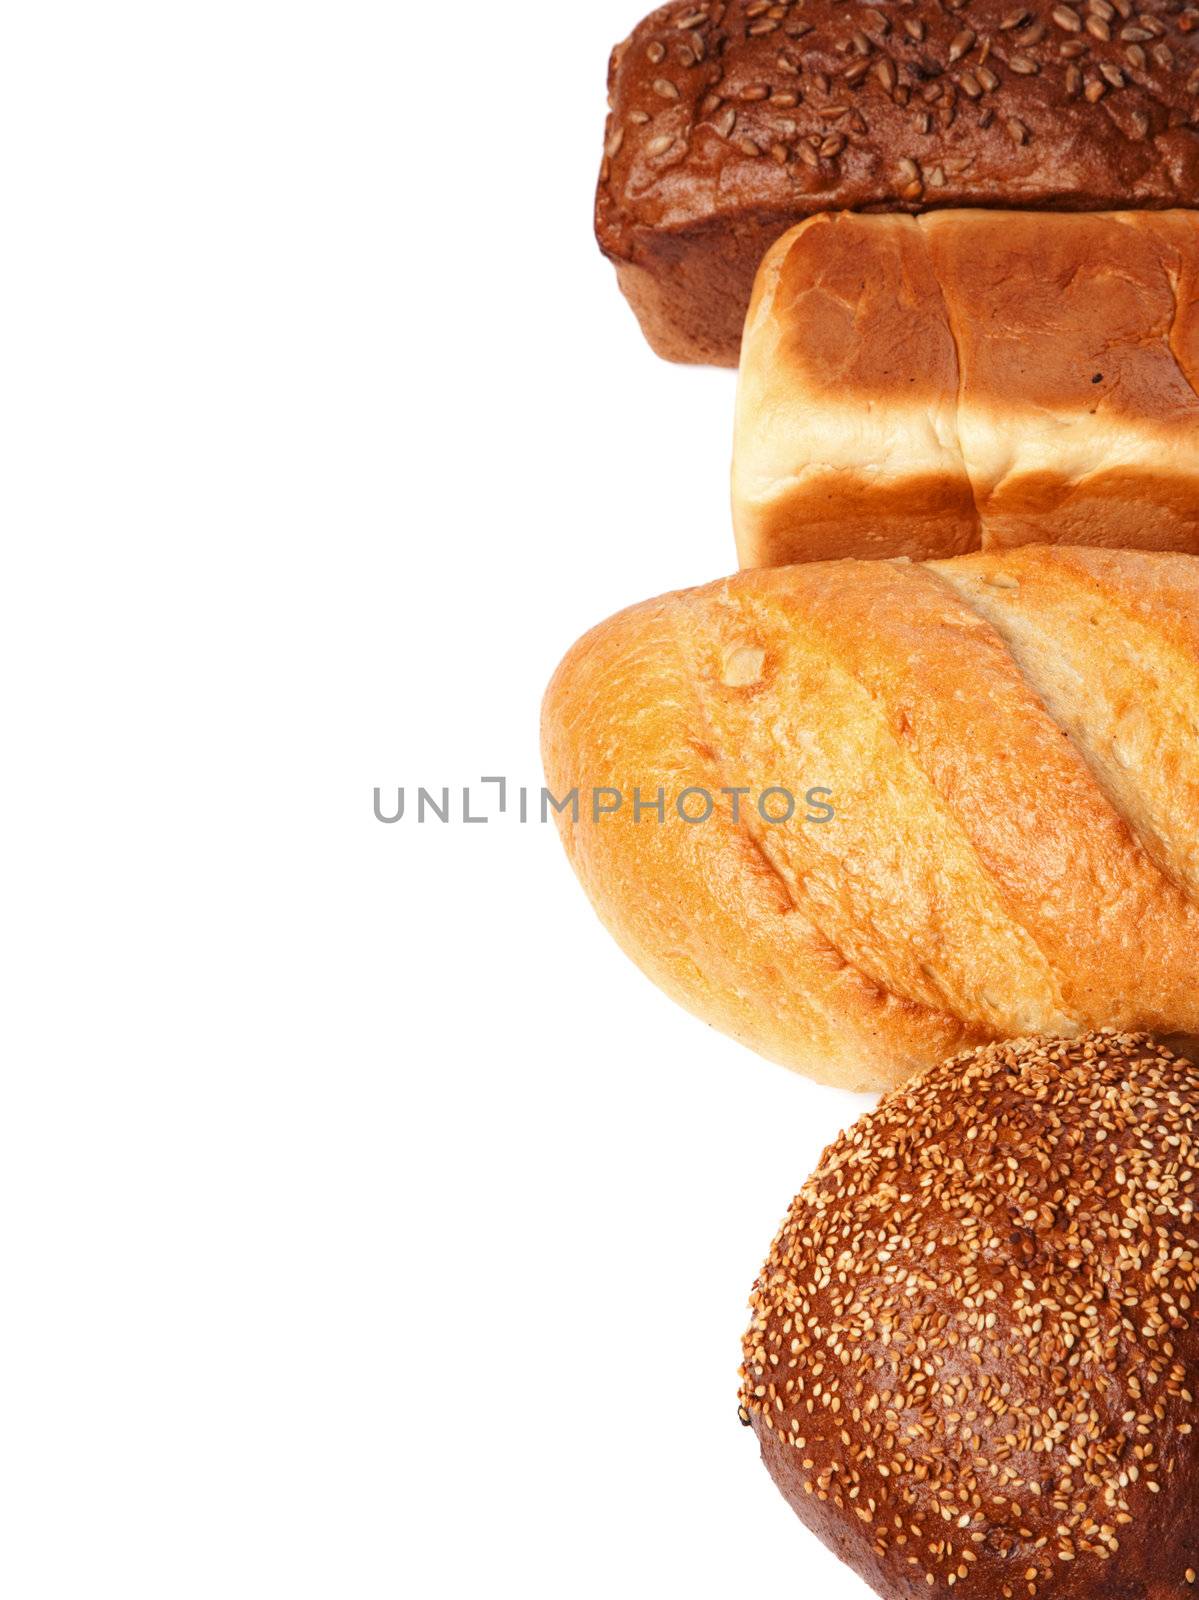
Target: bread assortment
730, 121
967, 380
911, 803
973, 1351
1009, 745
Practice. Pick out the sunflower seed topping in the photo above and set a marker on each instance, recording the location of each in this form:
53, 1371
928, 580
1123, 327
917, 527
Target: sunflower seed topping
692, 65
961, 44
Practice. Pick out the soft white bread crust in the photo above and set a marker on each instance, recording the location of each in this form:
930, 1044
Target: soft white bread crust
1011, 744
967, 380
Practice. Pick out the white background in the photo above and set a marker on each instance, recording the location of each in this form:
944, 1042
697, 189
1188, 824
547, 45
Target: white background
370, 1226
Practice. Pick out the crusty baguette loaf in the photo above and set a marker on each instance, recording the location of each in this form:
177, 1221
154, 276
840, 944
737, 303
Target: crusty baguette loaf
927, 386
732, 121
972, 1358
1011, 745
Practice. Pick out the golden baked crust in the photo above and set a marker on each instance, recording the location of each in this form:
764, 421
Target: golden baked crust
1010, 742
730, 122
973, 1356
931, 385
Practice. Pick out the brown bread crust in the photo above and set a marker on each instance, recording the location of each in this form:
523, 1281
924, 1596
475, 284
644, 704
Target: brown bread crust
973, 1357
1011, 746
730, 122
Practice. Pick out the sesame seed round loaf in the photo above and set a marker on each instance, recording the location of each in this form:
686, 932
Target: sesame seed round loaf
732, 120
972, 1360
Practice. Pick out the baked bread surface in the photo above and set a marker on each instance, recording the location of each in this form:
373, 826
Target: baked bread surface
731, 122
1011, 747
973, 1357
932, 385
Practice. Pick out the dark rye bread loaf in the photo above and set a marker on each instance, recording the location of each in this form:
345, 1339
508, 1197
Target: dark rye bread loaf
731, 122
974, 1354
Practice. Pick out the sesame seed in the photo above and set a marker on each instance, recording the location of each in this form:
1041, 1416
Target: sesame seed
973, 1316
